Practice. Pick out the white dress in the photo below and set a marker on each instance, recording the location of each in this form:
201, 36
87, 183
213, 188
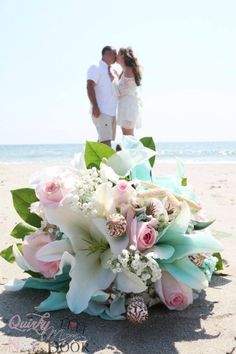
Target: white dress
129, 104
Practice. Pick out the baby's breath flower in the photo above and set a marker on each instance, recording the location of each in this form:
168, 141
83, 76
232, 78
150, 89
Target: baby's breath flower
85, 188
146, 268
125, 252
132, 248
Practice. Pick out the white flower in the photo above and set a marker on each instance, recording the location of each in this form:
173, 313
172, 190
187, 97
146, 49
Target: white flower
125, 253
132, 248
92, 248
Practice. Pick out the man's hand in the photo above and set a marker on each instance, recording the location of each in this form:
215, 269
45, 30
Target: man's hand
92, 96
96, 111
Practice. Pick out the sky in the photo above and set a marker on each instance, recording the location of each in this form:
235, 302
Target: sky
186, 48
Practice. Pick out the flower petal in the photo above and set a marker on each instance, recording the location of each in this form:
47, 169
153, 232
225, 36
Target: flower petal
108, 174
65, 216
15, 285
118, 306
116, 244
129, 282
104, 201
186, 245
54, 250
160, 251
95, 308
186, 272
20, 260
121, 163
67, 260
75, 225
177, 227
138, 152
100, 296
55, 301
87, 276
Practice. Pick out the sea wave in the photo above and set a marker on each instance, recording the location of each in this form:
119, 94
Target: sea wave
167, 152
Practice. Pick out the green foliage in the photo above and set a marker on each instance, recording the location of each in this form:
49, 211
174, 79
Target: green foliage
219, 264
184, 181
34, 274
7, 253
59, 282
149, 143
95, 152
22, 200
21, 230
199, 225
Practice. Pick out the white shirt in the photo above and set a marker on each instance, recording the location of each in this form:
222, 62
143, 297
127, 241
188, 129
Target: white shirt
106, 99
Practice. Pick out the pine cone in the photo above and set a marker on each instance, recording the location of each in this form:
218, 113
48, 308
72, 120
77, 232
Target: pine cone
116, 225
137, 311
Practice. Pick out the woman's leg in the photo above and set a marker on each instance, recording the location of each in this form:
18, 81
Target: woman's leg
126, 131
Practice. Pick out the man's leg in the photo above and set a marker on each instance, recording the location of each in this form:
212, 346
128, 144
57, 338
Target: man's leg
104, 126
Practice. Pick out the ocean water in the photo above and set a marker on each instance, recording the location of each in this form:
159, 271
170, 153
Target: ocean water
186, 151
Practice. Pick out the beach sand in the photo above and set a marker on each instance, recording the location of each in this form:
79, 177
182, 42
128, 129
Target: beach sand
207, 326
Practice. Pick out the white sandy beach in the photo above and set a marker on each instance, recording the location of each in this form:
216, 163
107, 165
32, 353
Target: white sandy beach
208, 326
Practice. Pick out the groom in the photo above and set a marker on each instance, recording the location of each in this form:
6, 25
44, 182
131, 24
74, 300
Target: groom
101, 95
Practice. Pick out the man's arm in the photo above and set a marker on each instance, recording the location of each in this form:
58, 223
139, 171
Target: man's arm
92, 97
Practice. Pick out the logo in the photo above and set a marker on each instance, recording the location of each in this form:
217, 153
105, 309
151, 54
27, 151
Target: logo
69, 337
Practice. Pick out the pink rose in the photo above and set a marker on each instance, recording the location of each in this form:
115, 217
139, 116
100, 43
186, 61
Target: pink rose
142, 234
52, 192
146, 236
31, 245
123, 192
175, 295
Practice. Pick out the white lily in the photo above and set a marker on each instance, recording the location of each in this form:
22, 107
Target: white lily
133, 153
107, 173
92, 247
104, 200
78, 163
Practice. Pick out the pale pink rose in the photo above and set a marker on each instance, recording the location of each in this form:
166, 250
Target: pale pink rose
175, 295
141, 234
123, 192
146, 236
31, 245
52, 192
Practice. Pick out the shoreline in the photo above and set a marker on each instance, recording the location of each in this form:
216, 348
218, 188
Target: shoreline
169, 161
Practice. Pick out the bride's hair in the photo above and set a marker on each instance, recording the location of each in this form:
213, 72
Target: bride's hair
132, 62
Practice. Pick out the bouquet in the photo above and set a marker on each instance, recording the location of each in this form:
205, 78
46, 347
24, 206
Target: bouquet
109, 238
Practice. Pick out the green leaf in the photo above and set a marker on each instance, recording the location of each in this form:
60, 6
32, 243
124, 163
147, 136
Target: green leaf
149, 143
22, 200
184, 181
219, 264
199, 225
34, 274
8, 255
95, 152
21, 230
59, 282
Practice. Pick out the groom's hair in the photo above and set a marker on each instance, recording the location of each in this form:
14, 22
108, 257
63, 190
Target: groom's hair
106, 49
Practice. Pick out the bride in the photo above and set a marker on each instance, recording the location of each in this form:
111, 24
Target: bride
126, 87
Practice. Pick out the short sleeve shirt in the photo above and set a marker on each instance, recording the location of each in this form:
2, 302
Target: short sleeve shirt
106, 99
